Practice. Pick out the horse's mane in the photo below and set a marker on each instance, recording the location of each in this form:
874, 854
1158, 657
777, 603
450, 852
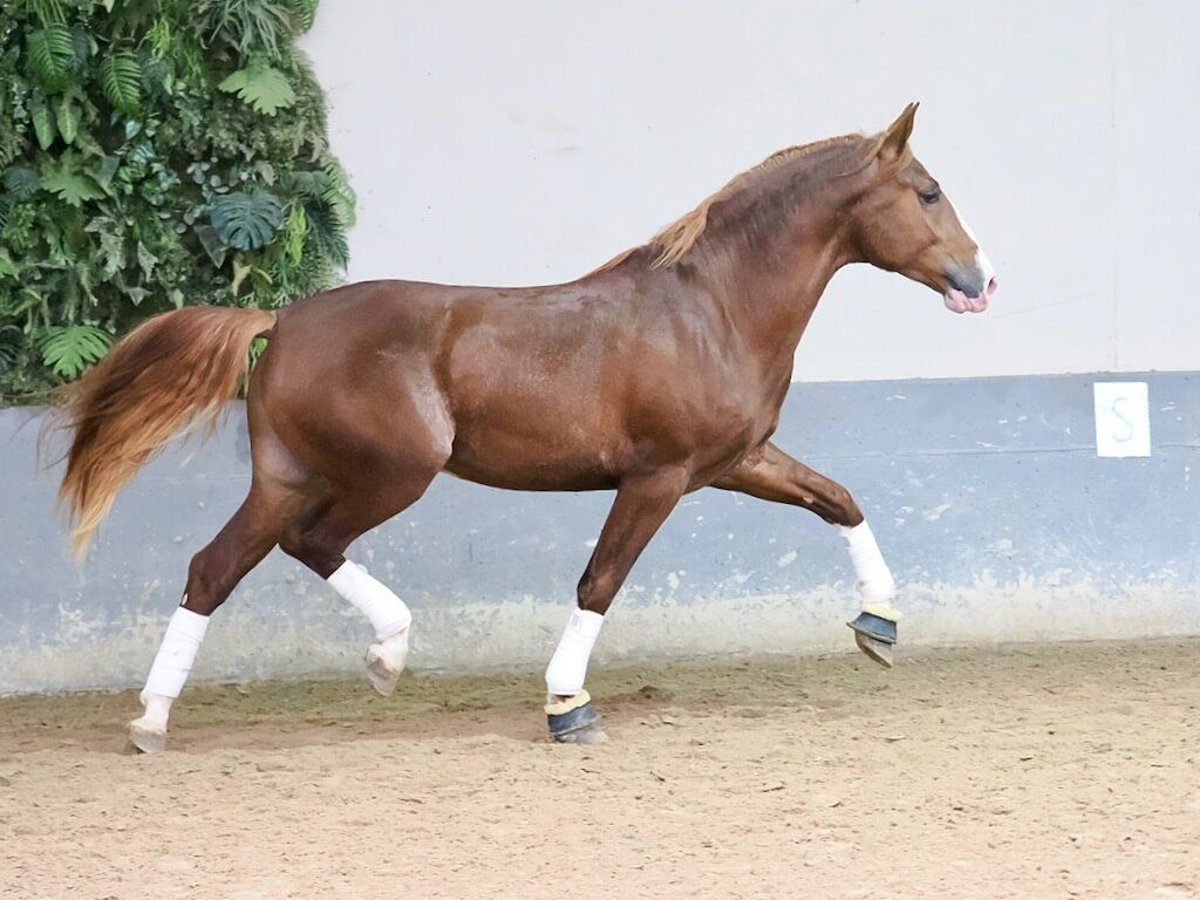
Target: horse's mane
673, 241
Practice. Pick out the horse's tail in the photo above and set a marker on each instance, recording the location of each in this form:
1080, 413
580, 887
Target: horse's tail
174, 371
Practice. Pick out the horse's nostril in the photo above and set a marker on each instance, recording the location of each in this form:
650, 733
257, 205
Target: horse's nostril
991, 286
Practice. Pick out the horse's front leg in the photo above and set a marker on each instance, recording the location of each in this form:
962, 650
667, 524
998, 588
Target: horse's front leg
642, 505
771, 474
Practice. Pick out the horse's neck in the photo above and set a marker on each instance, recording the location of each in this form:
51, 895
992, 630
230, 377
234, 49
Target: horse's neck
771, 306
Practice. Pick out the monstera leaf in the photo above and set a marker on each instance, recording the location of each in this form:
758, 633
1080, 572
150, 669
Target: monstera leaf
121, 78
264, 88
246, 220
69, 349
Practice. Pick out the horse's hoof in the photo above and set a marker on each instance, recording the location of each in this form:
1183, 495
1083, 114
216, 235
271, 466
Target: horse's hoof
385, 662
875, 633
584, 737
881, 652
876, 622
146, 738
573, 720
383, 679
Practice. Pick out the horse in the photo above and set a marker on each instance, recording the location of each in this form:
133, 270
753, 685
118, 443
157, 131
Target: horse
660, 372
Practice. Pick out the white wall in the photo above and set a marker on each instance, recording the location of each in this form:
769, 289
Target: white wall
526, 142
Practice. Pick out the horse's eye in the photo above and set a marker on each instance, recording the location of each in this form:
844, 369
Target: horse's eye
931, 197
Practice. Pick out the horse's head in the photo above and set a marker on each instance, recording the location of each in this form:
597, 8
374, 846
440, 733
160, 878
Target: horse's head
905, 223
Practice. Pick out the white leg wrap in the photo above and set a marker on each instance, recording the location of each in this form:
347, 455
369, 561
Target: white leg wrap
387, 612
875, 582
568, 667
157, 710
175, 656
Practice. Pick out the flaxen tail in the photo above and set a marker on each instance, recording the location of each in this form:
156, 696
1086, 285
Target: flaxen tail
174, 371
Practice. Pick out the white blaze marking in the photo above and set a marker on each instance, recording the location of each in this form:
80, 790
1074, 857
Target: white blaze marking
981, 259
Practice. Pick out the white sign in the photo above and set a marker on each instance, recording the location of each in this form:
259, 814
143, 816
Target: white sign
1122, 418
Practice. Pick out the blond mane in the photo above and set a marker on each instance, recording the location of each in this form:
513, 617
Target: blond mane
673, 241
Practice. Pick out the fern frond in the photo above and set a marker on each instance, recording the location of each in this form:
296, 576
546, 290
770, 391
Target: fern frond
338, 193
121, 79
49, 12
306, 13
51, 56
21, 182
265, 89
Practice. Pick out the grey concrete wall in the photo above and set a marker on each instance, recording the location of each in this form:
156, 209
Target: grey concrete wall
986, 495
528, 141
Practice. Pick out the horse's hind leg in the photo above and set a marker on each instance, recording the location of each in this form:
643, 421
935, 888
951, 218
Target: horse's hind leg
773, 475
213, 574
319, 540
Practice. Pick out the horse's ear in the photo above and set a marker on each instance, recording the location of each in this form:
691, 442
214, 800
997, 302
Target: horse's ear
895, 139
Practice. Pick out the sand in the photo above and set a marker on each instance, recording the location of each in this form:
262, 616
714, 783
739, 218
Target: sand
1047, 771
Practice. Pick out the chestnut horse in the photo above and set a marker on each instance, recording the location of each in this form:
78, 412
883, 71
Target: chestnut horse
659, 373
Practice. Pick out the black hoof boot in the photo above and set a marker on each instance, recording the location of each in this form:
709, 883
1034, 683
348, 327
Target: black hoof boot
875, 633
574, 720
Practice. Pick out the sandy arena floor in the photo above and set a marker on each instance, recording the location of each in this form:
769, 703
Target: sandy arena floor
1054, 771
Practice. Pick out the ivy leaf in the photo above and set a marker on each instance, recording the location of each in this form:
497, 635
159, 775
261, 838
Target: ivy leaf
22, 182
121, 78
246, 220
51, 56
68, 117
266, 170
212, 244
104, 172
88, 144
43, 123
72, 188
69, 349
112, 248
146, 260
136, 294
265, 89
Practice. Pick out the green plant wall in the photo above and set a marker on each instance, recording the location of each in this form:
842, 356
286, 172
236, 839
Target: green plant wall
152, 155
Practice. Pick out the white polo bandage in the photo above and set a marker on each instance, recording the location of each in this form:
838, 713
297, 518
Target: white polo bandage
875, 581
568, 667
185, 632
386, 612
